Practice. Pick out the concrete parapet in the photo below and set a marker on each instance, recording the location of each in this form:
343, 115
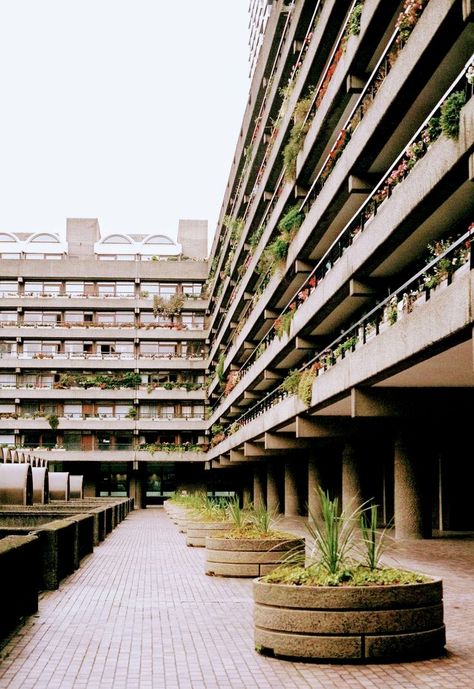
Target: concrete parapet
59, 485
40, 485
19, 579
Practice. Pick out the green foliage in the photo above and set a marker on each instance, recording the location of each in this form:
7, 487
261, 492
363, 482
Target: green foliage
53, 421
291, 382
132, 412
291, 222
297, 135
450, 114
220, 369
352, 575
236, 514
283, 323
353, 25
279, 248
168, 307
305, 387
373, 543
236, 226
334, 537
106, 381
262, 519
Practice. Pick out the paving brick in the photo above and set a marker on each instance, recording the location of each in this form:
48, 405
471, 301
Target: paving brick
141, 614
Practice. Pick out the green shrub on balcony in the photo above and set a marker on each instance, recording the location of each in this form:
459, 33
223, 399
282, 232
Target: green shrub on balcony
450, 114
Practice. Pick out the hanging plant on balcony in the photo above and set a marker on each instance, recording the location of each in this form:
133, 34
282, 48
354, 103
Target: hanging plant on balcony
168, 307
232, 380
353, 25
282, 324
297, 135
450, 114
53, 421
220, 369
236, 226
291, 382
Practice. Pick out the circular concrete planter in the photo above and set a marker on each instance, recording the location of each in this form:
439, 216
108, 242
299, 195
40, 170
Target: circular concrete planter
248, 557
197, 532
350, 623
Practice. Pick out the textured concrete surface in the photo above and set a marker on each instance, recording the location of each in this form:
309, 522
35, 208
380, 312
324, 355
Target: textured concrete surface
140, 614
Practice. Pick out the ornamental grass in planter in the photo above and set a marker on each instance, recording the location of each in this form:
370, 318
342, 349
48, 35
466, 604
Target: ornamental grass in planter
211, 518
253, 546
341, 604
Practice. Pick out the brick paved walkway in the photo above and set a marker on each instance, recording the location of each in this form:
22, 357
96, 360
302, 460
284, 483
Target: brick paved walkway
140, 614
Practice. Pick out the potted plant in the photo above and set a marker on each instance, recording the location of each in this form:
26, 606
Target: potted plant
210, 518
252, 547
335, 606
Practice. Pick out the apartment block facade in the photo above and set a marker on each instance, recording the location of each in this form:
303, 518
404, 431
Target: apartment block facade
103, 355
327, 341
341, 275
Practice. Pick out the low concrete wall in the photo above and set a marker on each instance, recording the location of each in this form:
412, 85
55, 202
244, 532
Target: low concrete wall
197, 532
19, 579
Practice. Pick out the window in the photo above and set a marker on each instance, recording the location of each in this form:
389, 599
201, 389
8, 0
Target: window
116, 239
8, 256
192, 288
192, 321
8, 288
74, 289
125, 289
158, 239
8, 316
44, 237
4, 237
7, 380
8, 347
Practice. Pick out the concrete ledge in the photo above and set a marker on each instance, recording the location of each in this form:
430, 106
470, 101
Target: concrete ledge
350, 623
246, 557
19, 579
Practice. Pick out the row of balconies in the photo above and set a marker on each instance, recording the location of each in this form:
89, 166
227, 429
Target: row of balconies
306, 236
332, 292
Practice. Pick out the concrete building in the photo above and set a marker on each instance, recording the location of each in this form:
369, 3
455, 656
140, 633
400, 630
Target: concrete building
343, 258
328, 341
103, 355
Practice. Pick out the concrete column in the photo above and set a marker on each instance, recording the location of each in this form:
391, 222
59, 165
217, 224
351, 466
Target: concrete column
292, 501
408, 494
135, 490
314, 483
273, 497
259, 485
351, 489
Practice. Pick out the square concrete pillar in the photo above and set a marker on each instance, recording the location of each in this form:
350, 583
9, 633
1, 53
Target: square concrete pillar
292, 499
273, 492
259, 488
351, 487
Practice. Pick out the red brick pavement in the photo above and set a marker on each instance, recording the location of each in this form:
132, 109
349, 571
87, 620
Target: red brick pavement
140, 614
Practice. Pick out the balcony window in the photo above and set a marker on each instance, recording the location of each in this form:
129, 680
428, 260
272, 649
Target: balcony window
73, 347
8, 288
125, 317
8, 316
7, 439
73, 410
7, 380
72, 440
8, 256
193, 289
8, 347
192, 321
74, 289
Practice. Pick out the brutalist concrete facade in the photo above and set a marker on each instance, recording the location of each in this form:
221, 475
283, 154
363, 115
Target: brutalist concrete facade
341, 276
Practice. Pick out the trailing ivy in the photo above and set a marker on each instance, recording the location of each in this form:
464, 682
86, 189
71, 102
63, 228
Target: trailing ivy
297, 134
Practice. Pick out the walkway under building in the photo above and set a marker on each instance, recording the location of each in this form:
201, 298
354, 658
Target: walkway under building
140, 614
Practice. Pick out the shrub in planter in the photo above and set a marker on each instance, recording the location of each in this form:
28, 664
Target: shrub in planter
336, 607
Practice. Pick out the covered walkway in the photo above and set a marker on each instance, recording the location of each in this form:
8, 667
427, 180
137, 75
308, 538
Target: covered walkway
140, 614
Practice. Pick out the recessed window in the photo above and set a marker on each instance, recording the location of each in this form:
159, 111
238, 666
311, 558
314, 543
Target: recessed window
116, 239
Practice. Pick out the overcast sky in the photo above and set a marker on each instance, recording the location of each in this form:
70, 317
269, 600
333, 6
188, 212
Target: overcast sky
124, 110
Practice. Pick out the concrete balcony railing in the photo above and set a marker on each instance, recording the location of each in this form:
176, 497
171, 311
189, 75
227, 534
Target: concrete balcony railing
96, 393
425, 183
103, 422
369, 136
377, 348
60, 455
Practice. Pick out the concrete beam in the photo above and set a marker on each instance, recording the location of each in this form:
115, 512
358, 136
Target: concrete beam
360, 289
354, 84
410, 402
270, 374
281, 441
249, 395
303, 266
358, 185
319, 428
255, 450
237, 456
270, 314
304, 343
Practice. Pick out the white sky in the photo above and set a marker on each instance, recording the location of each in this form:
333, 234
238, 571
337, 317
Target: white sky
124, 110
